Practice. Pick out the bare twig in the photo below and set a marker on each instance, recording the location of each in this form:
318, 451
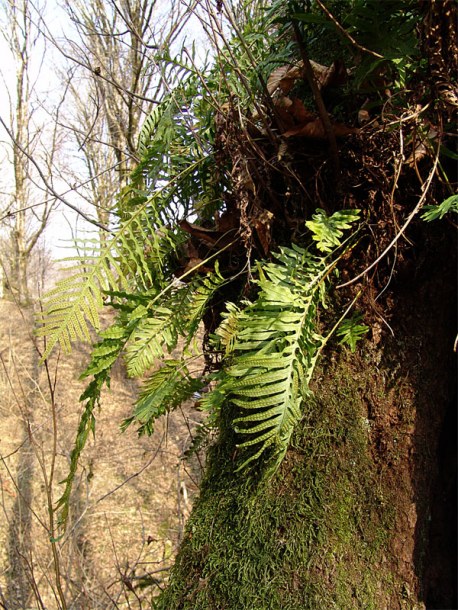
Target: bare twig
344, 32
49, 187
401, 231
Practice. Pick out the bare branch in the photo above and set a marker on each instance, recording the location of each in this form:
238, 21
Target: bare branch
49, 187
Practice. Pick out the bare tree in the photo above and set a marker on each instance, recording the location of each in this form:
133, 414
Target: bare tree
114, 84
28, 203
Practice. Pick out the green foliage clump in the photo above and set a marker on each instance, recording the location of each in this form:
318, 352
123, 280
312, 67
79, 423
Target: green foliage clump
156, 277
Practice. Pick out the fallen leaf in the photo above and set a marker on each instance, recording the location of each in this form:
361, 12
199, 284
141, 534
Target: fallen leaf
315, 130
299, 112
292, 112
210, 236
284, 78
262, 222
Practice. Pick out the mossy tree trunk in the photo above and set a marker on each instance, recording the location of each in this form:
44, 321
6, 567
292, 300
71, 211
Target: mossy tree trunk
361, 514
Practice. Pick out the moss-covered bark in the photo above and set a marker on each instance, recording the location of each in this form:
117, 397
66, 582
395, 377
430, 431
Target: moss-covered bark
361, 513
346, 521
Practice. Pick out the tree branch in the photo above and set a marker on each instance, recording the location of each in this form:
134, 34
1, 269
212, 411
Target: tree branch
48, 186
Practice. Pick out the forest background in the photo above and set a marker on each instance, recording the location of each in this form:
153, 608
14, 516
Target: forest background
260, 200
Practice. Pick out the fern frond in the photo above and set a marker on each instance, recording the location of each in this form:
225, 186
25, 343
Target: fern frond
273, 344
278, 342
178, 314
165, 390
274, 351
173, 178
104, 354
433, 212
122, 261
85, 427
328, 230
351, 331
227, 331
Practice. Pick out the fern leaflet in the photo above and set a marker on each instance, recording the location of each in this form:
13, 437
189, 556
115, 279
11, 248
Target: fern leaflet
160, 326
166, 389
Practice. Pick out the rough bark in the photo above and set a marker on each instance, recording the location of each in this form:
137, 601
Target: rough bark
366, 520
362, 513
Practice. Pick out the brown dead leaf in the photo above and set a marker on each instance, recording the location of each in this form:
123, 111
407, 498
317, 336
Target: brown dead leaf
196, 263
334, 76
283, 78
228, 221
323, 74
209, 236
315, 130
363, 116
299, 112
262, 222
292, 112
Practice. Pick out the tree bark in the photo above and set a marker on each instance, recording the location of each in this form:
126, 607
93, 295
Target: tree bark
360, 514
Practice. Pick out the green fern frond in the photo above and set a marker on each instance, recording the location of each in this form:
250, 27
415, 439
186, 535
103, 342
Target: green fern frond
149, 339
275, 349
85, 427
107, 351
122, 261
351, 331
272, 346
178, 314
227, 331
434, 212
104, 354
165, 390
136, 255
75, 302
328, 230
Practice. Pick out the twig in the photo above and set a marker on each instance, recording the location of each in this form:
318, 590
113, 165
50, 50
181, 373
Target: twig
324, 116
344, 32
48, 185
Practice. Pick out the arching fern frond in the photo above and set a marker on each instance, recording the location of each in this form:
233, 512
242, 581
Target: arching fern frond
134, 257
103, 356
72, 307
226, 333
177, 312
85, 428
275, 351
172, 179
273, 344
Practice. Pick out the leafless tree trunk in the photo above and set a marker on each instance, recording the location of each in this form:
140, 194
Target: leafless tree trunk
28, 221
114, 85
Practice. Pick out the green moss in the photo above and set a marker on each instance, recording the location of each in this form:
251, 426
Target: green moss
313, 537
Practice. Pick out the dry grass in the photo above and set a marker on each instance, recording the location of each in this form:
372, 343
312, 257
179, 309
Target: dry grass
131, 498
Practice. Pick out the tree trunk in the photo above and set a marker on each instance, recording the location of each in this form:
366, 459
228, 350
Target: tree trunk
361, 513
